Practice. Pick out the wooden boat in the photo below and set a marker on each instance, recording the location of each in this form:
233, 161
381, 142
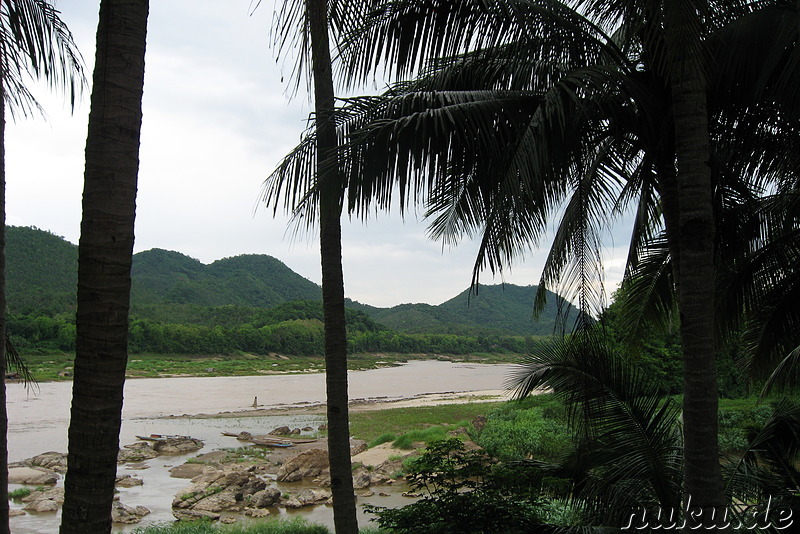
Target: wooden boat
246, 436
271, 443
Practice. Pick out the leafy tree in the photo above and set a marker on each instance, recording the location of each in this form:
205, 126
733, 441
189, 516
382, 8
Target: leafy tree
463, 492
34, 42
105, 254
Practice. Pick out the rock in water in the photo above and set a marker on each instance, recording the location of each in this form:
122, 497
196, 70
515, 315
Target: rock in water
307, 464
177, 445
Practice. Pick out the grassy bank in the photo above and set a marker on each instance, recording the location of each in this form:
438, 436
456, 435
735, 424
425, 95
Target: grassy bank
58, 365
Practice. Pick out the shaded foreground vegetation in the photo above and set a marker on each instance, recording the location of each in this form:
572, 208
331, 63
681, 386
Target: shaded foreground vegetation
277, 526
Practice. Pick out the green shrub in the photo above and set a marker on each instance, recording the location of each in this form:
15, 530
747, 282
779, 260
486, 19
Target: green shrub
428, 435
513, 434
383, 438
294, 526
464, 494
19, 493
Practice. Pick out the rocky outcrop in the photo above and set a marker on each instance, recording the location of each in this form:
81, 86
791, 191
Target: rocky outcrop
218, 490
307, 497
35, 476
194, 515
52, 461
136, 452
125, 515
177, 445
307, 464
44, 501
127, 481
264, 498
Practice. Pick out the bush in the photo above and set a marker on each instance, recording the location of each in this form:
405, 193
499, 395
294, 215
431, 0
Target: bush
513, 434
464, 494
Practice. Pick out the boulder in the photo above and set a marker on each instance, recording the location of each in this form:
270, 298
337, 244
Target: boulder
52, 461
217, 490
358, 448
187, 470
256, 512
178, 445
307, 497
281, 431
264, 498
361, 478
194, 515
44, 501
136, 452
127, 481
35, 476
16, 512
125, 515
307, 464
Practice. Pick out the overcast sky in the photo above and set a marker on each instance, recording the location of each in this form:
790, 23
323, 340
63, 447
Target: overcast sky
217, 120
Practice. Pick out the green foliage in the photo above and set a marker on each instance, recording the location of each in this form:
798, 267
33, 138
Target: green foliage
383, 438
372, 424
514, 434
464, 493
19, 493
273, 526
497, 310
427, 435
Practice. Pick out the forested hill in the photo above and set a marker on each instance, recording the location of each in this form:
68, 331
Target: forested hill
506, 308
255, 281
172, 287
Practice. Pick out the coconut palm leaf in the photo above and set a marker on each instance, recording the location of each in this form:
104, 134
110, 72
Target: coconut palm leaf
15, 361
37, 44
767, 469
630, 451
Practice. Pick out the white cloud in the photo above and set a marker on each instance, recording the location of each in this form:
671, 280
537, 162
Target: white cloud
216, 121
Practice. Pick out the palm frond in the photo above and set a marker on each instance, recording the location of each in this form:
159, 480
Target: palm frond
631, 449
37, 44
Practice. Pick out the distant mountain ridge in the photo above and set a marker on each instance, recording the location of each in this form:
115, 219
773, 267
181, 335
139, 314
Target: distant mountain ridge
42, 276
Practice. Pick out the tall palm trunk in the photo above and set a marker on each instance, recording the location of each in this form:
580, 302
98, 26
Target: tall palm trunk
105, 253
344, 508
702, 473
4, 517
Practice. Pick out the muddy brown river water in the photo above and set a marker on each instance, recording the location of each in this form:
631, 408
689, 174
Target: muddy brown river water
38, 419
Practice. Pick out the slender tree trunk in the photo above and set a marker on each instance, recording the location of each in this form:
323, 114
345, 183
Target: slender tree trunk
105, 253
344, 508
702, 473
4, 518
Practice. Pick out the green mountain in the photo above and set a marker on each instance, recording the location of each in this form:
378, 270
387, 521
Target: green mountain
255, 281
41, 271
172, 287
506, 309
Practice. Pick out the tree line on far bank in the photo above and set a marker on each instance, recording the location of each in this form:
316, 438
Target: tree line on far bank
294, 328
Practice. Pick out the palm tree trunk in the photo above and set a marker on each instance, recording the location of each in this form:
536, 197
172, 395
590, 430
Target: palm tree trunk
702, 473
344, 508
105, 253
4, 517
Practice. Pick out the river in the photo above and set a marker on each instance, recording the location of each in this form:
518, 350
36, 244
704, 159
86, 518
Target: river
38, 418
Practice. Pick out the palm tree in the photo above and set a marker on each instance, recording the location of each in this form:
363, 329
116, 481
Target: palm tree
539, 110
628, 454
35, 43
105, 253
314, 34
